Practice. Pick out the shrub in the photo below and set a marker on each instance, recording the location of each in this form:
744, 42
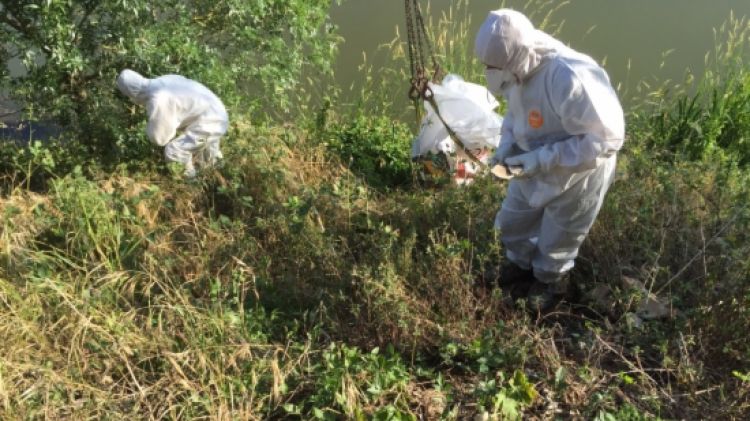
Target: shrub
709, 118
375, 148
72, 51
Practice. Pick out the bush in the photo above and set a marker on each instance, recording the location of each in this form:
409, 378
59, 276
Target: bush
73, 50
709, 118
375, 148
713, 122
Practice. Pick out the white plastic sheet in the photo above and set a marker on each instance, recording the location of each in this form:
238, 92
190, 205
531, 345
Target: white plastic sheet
468, 109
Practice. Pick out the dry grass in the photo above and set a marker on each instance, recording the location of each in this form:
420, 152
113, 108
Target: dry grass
261, 291
282, 285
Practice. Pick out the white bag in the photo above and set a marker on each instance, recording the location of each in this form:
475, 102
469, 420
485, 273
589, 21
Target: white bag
468, 109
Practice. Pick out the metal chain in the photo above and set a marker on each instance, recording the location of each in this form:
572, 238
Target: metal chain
410, 36
420, 48
453, 135
427, 44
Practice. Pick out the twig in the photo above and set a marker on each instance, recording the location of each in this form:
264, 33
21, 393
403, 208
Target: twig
9, 114
700, 392
700, 252
635, 368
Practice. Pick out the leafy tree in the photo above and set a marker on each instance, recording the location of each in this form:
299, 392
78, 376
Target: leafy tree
248, 51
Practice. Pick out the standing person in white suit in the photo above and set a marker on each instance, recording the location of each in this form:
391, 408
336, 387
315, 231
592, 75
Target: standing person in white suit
563, 128
184, 117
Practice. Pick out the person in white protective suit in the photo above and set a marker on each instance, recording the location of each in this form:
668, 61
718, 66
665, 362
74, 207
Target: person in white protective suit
563, 128
184, 117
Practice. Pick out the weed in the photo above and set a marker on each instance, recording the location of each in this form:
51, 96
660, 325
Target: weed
295, 282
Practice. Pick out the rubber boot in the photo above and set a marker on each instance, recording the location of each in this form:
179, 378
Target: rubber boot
511, 273
542, 297
506, 275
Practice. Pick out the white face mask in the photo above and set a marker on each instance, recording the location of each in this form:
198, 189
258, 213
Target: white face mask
499, 81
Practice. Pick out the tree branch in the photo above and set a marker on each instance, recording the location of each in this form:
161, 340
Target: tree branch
88, 8
13, 18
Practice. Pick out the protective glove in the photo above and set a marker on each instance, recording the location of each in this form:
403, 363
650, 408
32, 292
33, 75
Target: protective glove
503, 151
529, 163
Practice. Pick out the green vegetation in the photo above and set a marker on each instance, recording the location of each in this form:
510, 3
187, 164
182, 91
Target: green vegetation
73, 50
310, 277
712, 122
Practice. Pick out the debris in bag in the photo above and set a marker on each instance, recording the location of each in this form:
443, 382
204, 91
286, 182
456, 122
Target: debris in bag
647, 306
465, 169
650, 306
468, 109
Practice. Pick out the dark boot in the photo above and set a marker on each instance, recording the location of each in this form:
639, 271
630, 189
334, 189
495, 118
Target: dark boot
543, 297
511, 273
510, 277
515, 281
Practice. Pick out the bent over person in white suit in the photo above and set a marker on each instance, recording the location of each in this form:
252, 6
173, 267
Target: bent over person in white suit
184, 117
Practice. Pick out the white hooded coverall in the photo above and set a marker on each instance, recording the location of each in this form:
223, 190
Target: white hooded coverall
565, 115
184, 117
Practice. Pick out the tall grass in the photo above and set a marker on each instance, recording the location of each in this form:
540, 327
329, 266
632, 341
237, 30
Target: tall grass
285, 285
709, 115
383, 91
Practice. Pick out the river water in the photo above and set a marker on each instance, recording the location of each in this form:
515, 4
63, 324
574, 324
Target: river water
632, 37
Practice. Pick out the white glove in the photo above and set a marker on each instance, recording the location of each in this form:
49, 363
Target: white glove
503, 151
529, 163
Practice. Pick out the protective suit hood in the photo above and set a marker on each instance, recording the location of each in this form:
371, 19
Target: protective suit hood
507, 40
133, 85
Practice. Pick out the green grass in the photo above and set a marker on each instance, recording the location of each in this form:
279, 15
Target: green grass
304, 279
284, 284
